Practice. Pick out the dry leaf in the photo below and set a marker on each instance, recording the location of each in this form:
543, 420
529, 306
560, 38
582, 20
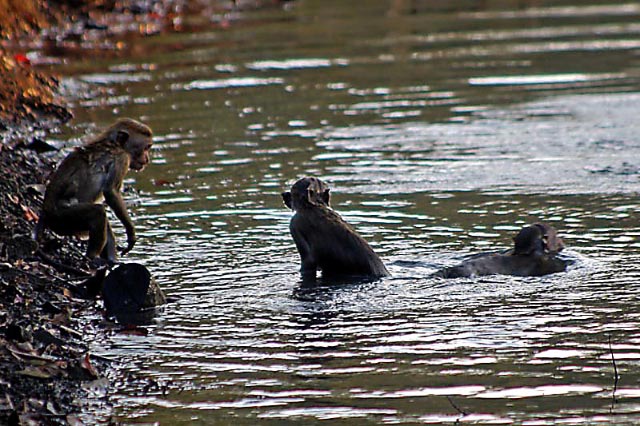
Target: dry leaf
29, 214
35, 372
22, 58
86, 364
31, 354
74, 420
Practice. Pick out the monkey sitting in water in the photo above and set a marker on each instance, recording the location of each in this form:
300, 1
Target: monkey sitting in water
323, 239
533, 254
92, 173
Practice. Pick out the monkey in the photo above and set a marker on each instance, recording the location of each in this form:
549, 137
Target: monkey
533, 254
323, 239
90, 174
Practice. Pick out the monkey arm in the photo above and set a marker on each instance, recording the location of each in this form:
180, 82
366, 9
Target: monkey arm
114, 199
309, 264
118, 167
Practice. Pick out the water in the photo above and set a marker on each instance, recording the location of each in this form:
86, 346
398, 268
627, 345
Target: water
442, 130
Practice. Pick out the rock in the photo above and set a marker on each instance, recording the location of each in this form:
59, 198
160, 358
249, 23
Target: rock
38, 145
17, 333
131, 294
45, 337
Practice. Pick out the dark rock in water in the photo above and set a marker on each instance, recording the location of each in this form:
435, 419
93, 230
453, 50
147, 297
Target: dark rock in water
130, 290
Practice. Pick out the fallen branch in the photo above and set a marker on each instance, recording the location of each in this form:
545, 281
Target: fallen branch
61, 267
70, 331
616, 377
52, 278
455, 406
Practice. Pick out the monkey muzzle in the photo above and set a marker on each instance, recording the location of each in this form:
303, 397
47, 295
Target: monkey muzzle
138, 167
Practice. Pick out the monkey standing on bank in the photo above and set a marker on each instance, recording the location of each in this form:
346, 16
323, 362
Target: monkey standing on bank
90, 174
323, 239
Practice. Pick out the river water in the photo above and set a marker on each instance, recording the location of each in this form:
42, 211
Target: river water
442, 128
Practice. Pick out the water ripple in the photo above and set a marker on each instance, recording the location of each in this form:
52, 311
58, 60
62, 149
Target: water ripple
442, 130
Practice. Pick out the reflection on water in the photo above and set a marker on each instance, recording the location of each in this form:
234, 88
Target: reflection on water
443, 128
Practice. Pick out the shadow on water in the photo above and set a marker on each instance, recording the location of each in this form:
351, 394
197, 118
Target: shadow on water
442, 129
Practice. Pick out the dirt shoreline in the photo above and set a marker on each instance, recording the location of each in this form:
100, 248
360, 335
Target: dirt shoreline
47, 374
43, 359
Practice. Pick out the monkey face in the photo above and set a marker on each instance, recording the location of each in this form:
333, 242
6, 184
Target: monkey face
552, 243
140, 160
538, 238
135, 138
138, 149
307, 192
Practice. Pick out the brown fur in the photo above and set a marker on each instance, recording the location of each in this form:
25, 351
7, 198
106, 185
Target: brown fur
323, 239
533, 254
93, 172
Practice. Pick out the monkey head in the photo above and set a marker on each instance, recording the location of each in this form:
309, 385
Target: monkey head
135, 138
307, 192
538, 238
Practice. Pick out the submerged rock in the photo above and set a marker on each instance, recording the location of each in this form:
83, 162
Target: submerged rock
131, 294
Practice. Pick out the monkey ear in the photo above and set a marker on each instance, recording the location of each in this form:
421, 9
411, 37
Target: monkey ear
326, 197
122, 137
311, 197
286, 197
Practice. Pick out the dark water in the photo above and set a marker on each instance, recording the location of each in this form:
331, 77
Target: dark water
442, 127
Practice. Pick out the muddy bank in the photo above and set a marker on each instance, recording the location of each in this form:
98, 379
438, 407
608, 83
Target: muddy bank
45, 366
43, 359
44, 362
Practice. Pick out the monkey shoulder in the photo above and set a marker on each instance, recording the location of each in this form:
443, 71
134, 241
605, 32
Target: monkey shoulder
336, 220
84, 175
347, 237
322, 235
323, 219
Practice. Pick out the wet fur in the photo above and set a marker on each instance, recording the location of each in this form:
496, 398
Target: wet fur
534, 254
323, 239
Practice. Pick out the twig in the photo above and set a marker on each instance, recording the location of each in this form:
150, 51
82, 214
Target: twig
102, 358
51, 278
455, 406
70, 331
61, 267
616, 377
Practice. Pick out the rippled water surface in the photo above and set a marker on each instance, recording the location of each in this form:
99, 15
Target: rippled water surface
442, 128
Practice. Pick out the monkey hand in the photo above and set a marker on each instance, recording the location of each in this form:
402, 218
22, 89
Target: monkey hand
131, 241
